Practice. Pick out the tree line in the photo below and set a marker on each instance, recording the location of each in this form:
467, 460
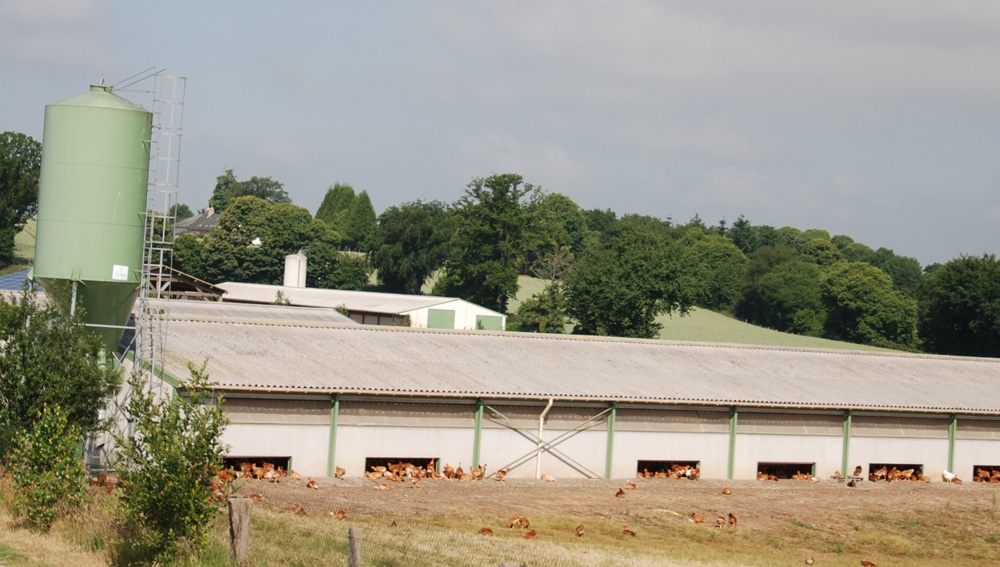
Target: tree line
604, 274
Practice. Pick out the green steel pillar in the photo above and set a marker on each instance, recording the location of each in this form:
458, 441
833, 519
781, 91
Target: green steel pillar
733, 418
847, 443
952, 428
477, 435
609, 456
331, 453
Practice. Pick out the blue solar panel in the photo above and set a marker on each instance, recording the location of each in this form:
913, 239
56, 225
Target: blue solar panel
13, 281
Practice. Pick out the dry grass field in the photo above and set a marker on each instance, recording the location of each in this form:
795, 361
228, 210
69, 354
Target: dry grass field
439, 523
778, 523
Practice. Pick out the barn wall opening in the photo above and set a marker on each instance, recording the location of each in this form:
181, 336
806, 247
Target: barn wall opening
776, 471
239, 462
668, 469
426, 463
895, 471
986, 473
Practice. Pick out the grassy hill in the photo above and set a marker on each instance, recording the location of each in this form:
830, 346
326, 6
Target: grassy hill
702, 325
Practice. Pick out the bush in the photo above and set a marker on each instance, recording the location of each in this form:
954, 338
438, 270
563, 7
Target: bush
49, 477
166, 469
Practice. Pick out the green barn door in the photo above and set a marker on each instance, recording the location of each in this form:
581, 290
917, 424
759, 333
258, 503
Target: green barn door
440, 319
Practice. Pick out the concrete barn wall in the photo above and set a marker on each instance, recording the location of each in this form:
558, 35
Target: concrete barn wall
356, 443
710, 449
970, 454
300, 429
305, 444
502, 447
931, 453
824, 451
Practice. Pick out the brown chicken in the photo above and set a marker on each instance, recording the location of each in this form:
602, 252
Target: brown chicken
485, 531
502, 473
627, 531
256, 497
720, 521
341, 514
727, 491
479, 473
383, 487
530, 534
867, 563
312, 484
514, 521
810, 560
631, 485
698, 518
294, 476
732, 520
580, 530
620, 493
340, 472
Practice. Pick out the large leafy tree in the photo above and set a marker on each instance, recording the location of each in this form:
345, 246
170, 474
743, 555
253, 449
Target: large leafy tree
789, 298
492, 224
336, 205
543, 312
960, 307
715, 265
350, 215
329, 268
906, 272
620, 289
20, 164
228, 188
251, 242
49, 358
410, 242
560, 225
862, 307
361, 222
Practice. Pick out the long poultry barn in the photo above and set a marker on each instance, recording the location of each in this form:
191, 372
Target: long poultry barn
315, 393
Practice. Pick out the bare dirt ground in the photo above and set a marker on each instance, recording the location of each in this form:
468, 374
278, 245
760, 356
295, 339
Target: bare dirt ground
759, 505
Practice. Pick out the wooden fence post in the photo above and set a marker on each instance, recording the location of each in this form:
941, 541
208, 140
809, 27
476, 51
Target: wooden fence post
354, 536
239, 528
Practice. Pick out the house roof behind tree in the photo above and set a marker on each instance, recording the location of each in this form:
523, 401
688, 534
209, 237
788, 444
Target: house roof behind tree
200, 224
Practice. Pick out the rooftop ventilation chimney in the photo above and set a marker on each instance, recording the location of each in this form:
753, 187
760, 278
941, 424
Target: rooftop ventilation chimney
295, 270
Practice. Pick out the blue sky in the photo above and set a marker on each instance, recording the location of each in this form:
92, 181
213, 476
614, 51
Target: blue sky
879, 120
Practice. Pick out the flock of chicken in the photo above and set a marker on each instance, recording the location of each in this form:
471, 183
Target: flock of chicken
404, 471
674, 471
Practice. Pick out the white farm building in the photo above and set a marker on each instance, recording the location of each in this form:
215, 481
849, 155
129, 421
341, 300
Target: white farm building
319, 392
374, 308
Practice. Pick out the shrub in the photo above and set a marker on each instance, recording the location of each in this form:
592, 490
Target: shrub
49, 477
166, 469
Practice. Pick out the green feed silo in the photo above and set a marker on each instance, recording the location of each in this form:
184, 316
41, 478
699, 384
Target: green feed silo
91, 204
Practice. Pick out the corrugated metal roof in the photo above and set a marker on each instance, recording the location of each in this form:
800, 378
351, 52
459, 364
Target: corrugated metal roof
388, 360
370, 301
15, 281
214, 311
